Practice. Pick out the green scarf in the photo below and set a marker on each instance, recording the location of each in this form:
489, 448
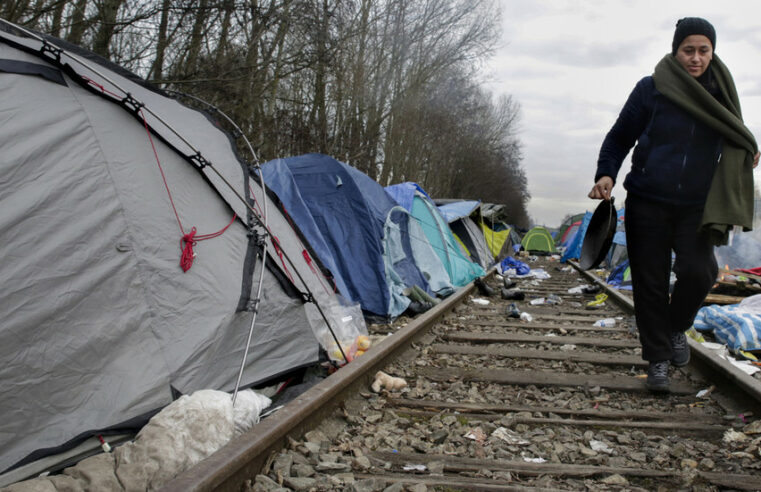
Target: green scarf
730, 198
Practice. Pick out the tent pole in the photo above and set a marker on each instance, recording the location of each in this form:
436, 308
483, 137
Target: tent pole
258, 296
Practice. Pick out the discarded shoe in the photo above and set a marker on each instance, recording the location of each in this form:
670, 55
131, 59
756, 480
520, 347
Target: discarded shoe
509, 283
483, 289
658, 376
416, 307
680, 351
513, 294
513, 311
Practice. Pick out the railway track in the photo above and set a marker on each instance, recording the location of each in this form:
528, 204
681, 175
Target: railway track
497, 403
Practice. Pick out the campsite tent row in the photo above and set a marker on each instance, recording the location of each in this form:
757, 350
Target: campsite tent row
134, 239
396, 238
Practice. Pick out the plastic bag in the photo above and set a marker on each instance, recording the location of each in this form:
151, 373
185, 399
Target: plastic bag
348, 325
520, 267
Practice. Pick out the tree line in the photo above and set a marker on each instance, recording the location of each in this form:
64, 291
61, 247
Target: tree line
391, 87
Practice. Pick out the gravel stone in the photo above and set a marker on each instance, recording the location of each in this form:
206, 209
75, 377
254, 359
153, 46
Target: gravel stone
623, 439
312, 447
315, 436
439, 436
299, 483
328, 467
362, 462
299, 470
436, 467
347, 478
638, 457
615, 479
282, 464
329, 457
368, 485
263, 483
396, 487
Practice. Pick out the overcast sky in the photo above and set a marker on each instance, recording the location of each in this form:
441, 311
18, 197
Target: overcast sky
572, 64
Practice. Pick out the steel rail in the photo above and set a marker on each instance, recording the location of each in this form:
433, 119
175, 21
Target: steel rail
708, 359
243, 457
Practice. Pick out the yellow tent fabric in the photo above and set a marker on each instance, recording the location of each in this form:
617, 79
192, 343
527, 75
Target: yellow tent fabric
462, 245
495, 239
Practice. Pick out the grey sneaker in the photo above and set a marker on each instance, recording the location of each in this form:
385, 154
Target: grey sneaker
658, 376
680, 351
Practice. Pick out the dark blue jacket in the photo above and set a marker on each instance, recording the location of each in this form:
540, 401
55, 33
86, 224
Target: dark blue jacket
675, 156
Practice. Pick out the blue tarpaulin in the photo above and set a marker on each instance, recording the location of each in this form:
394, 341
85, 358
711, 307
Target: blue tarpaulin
404, 194
457, 210
520, 267
620, 277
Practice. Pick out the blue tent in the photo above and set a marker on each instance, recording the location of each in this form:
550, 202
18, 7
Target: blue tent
355, 228
573, 250
414, 199
618, 252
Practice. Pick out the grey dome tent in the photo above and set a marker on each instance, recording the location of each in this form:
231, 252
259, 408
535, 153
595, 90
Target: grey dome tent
107, 186
464, 218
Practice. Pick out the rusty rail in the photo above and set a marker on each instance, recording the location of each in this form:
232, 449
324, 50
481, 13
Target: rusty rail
706, 360
242, 457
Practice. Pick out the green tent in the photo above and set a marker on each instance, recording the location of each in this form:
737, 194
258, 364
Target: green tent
539, 240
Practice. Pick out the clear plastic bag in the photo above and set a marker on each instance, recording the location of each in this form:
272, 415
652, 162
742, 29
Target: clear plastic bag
348, 325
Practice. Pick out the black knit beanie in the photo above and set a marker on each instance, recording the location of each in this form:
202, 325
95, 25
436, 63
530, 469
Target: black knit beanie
689, 26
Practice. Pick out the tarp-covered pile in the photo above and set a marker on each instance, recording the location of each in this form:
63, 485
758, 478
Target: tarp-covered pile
180, 436
738, 326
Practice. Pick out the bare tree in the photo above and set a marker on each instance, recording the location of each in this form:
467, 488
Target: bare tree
389, 86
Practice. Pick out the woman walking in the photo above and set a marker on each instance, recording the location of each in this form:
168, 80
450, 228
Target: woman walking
690, 182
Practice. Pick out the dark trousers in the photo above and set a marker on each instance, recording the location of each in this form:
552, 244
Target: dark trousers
653, 231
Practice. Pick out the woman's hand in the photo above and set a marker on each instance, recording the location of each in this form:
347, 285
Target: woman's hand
604, 185
755, 159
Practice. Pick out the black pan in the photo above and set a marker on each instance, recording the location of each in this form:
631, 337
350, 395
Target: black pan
599, 236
